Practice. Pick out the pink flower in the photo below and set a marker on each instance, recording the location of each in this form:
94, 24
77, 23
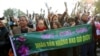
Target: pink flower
22, 39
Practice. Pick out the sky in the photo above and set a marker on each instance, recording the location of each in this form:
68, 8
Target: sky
36, 5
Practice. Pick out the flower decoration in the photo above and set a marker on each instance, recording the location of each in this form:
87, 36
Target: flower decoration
23, 50
21, 39
22, 47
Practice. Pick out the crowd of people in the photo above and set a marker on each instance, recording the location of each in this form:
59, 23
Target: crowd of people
25, 24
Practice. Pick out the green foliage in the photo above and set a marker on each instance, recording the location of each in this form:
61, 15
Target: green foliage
13, 12
8, 12
97, 7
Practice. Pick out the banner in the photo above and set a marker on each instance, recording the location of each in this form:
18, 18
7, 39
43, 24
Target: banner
52, 39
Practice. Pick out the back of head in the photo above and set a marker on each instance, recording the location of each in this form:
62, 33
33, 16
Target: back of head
71, 20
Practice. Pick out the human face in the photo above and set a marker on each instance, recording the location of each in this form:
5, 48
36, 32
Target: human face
55, 26
55, 19
85, 18
40, 24
1, 23
23, 22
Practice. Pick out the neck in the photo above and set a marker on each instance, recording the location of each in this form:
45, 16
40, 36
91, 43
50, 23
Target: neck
23, 27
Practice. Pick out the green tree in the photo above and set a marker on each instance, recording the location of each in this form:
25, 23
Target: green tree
13, 12
97, 7
8, 12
